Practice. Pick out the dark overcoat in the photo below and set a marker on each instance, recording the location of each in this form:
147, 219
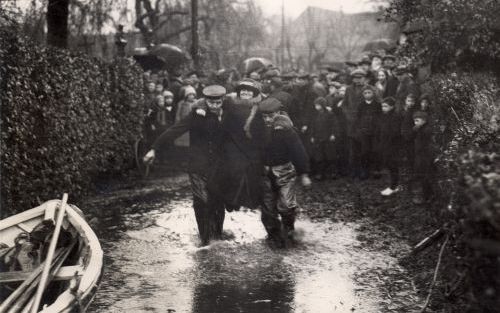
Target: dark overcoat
388, 137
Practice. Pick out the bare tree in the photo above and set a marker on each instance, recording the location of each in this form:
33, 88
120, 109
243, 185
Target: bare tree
57, 23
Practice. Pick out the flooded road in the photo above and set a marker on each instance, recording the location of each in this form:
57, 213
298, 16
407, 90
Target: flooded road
154, 262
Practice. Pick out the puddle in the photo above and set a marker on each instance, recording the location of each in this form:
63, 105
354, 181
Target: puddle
154, 264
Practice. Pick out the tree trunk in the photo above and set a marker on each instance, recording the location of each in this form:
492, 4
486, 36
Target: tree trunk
194, 35
57, 23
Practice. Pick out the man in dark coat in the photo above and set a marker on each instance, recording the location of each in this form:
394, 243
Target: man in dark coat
425, 153
366, 65
407, 137
212, 161
350, 105
323, 131
176, 84
389, 64
278, 93
364, 135
388, 140
407, 85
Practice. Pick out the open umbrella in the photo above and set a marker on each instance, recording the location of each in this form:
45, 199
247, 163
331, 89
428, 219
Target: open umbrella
255, 64
380, 44
161, 56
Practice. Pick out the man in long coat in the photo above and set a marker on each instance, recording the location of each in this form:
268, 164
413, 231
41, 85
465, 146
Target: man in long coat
218, 161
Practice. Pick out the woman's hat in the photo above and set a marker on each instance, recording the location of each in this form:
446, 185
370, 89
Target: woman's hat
248, 84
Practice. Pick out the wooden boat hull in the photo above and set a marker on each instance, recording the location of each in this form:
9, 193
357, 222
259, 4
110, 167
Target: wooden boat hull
90, 261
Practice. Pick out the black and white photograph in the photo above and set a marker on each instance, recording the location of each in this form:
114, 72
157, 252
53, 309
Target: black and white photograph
250, 156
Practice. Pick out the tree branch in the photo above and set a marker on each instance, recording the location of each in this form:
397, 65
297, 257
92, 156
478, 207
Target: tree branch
181, 30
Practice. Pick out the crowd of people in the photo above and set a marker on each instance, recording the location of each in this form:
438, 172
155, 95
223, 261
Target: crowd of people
353, 121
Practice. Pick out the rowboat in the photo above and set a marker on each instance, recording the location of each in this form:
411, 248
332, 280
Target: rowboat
74, 280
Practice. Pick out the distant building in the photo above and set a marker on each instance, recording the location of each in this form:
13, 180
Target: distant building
319, 36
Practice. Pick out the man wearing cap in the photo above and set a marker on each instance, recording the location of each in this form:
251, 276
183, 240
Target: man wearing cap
407, 85
277, 92
208, 127
350, 106
366, 65
304, 95
284, 158
389, 63
332, 74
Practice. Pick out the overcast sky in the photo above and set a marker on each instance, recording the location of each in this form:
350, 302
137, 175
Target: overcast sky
294, 7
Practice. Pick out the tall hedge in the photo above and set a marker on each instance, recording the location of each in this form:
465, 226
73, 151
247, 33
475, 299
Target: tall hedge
65, 119
469, 196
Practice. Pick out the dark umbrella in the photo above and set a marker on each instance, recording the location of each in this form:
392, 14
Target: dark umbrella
380, 44
170, 54
162, 56
255, 64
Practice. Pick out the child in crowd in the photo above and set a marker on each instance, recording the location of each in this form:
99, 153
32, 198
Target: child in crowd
183, 109
150, 88
388, 141
169, 105
365, 126
407, 124
159, 88
284, 159
425, 154
322, 136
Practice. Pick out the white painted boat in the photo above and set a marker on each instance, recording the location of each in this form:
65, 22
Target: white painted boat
77, 282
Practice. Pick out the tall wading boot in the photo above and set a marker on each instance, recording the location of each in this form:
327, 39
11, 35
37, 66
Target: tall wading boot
272, 225
201, 212
288, 221
218, 213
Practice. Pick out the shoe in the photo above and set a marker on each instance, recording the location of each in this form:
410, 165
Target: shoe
389, 191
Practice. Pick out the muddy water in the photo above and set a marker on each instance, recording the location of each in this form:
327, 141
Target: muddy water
154, 263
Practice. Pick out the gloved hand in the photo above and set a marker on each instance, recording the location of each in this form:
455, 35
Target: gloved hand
304, 128
149, 157
332, 138
305, 181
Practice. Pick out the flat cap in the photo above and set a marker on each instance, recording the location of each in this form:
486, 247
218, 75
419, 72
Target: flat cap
425, 96
368, 87
365, 61
321, 101
270, 105
390, 101
271, 73
214, 91
389, 57
351, 63
336, 84
420, 114
331, 68
401, 69
358, 73
303, 75
289, 75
